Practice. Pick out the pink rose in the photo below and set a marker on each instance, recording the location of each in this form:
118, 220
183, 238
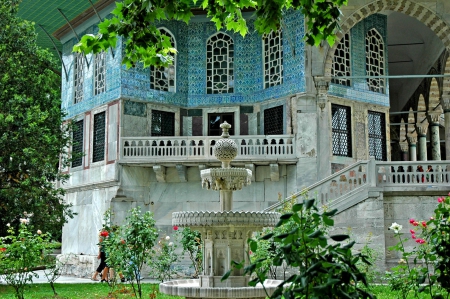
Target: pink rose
415, 223
175, 227
413, 236
411, 220
440, 199
412, 231
424, 224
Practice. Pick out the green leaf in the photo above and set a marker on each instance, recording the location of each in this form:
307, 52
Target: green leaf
286, 216
309, 203
226, 275
339, 238
297, 207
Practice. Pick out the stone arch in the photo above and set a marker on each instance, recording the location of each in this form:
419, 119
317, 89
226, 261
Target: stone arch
434, 95
412, 9
446, 81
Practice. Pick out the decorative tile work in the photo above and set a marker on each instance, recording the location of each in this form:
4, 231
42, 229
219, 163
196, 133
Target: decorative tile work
135, 108
134, 83
359, 89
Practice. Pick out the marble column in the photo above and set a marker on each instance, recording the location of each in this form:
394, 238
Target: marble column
412, 140
445, 102
422, 129
324, 127
404, 150
435, 140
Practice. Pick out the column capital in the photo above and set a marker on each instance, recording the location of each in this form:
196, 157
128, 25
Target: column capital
412, 139
433, 117
445, 102
322, 85
422, 128
404, 146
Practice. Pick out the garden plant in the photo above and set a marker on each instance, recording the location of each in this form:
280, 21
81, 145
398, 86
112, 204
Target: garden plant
425, 268
21, 252
191, 241
324, 267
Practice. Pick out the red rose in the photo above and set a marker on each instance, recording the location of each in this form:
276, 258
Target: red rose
104, 233
175, 227
3, 249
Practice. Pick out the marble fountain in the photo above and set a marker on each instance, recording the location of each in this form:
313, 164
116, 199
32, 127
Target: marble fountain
224, 233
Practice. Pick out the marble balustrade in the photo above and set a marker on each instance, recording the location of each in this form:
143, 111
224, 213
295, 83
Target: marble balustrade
250, 147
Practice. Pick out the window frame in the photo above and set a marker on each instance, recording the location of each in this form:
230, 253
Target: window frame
228, 71
270, 83
347, 132
79, 148
164, 70
374, 137
99, 58
78, 78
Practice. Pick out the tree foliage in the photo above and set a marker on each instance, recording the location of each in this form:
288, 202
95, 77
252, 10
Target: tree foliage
135, 21
31, 136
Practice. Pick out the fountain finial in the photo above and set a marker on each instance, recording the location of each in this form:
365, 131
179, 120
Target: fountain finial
225, 128
225, 149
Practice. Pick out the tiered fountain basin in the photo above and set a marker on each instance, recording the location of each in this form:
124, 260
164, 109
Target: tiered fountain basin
225, 236
190, 288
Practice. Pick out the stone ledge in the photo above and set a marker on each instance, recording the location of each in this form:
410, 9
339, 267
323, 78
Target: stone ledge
226, 218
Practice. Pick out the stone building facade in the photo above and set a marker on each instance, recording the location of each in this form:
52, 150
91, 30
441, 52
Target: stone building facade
299, 115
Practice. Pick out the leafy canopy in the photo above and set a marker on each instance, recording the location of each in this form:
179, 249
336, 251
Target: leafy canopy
31, 136
135, 21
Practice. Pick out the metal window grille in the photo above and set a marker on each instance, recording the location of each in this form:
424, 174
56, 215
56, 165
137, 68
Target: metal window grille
220, 64
273, 121
273, 59
375, 60
78, 77
77, 146
163, 123
216, 119
163, 78
341, 130
100, 73
377, 135
98, 152
341, 61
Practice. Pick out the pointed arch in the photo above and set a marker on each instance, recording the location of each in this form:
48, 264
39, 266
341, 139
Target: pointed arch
164, 78
410, 8
375, 60
220, 64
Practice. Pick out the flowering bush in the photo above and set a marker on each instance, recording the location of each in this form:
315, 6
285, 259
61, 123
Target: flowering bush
163, 259
20, 253
428, 264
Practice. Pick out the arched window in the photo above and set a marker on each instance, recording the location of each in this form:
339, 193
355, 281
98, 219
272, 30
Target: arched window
219, 64
100, 73
273, 59
375, 60
163, 78
78, 78
341, 62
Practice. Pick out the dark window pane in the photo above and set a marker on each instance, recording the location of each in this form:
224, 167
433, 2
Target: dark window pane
98, 153
377, 135
163, 123
216, 119
273, 121
341, 131
77, 146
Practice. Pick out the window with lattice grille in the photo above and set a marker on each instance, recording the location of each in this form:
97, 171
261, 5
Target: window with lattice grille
163, 123
375, 60
220, 64
77, 143
163, 78
273, 59
98, 152
341, 130
377, 135
341, 62
100, 73
273, 121
216, 119
78, 77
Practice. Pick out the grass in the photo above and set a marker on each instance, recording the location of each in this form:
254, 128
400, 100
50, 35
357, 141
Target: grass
81, 291
100, 291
